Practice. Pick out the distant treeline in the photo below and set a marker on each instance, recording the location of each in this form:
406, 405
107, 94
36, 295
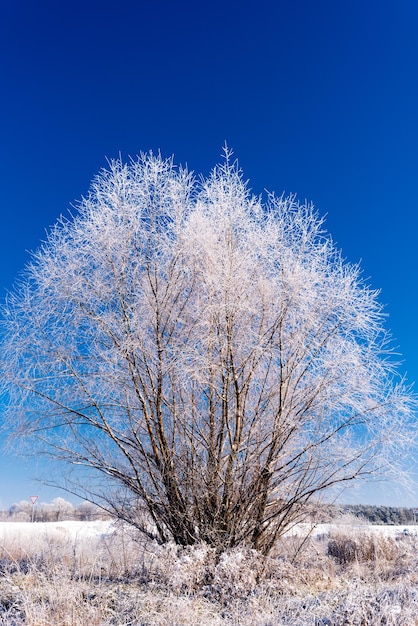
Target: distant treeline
55, 511
368, 513
380, 514
59, 509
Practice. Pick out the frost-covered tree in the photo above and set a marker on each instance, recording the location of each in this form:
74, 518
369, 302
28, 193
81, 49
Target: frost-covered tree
87, 511
209, 355
57, 510
21, 511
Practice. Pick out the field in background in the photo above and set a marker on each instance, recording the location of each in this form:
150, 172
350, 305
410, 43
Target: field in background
100, 574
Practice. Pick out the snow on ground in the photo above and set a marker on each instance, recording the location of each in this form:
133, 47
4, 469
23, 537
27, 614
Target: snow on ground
84, 530
67, 529
321, 530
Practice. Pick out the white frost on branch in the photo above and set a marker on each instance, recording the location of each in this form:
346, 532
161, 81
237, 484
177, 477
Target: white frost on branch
210, 355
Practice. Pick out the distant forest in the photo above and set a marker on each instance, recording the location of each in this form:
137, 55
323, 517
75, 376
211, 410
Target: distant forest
380, 514
59, 509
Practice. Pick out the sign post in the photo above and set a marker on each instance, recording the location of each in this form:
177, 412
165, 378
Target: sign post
34, 500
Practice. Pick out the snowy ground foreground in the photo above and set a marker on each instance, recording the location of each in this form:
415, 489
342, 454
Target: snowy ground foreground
99, 528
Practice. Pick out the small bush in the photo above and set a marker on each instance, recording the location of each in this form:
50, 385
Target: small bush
362, 548
343, 549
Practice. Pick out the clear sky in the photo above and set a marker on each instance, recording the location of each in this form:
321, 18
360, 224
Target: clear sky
317, 98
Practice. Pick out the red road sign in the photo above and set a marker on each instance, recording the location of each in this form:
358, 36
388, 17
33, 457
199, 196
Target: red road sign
34, 499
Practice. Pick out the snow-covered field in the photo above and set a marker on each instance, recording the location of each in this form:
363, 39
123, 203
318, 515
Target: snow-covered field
100, 528
68, 529
321, 530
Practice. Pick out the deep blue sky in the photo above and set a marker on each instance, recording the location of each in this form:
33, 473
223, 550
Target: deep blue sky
317, 98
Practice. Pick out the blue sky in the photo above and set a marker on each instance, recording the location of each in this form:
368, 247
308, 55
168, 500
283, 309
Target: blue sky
317, 98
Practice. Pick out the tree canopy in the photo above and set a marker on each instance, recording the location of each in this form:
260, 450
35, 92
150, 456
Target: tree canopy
208, 356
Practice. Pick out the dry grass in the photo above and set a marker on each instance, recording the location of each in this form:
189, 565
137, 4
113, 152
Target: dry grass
348, 578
